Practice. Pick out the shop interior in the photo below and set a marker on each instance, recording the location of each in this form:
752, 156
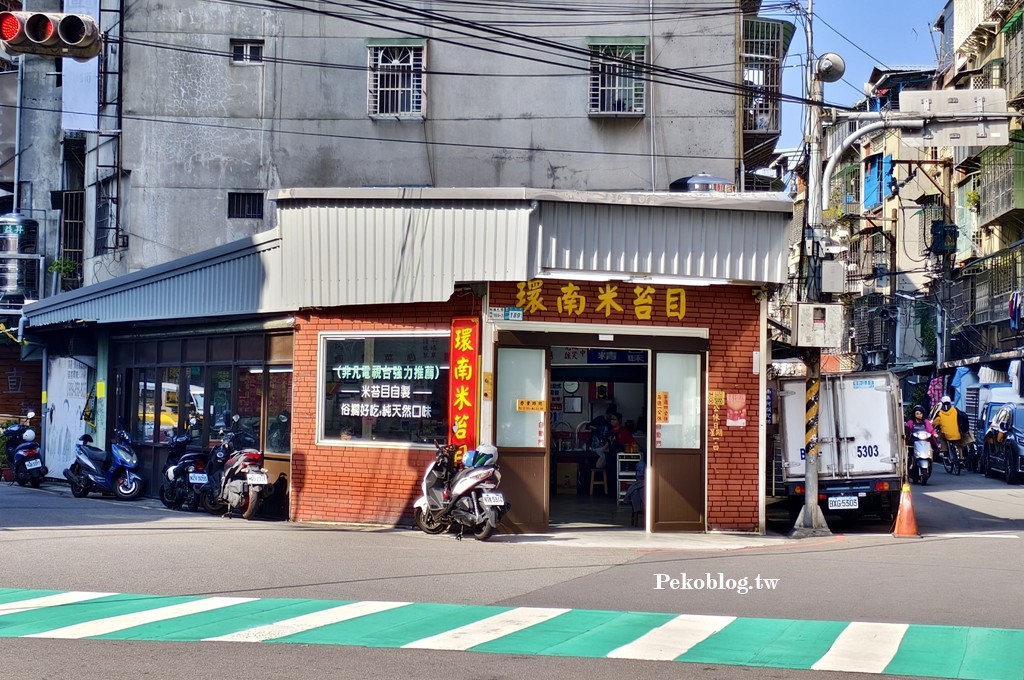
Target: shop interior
598, 424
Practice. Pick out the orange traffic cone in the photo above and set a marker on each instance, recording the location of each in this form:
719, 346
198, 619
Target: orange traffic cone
906, 523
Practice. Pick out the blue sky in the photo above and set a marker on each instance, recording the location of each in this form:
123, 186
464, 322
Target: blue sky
894, 33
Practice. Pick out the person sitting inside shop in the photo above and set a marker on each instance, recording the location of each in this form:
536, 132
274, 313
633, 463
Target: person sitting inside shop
619, 437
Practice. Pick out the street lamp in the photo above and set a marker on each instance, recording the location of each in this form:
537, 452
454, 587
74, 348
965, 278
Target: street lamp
940, 325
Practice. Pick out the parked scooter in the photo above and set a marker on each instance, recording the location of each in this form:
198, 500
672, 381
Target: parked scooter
461, 493
921, 453
184, 473
112, 471
23, 452
237, 479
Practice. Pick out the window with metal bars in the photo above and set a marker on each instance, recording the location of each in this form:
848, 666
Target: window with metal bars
616, 79
395, 80
247, 51
245, 205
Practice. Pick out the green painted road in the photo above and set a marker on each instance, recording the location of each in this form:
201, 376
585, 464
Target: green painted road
884, 648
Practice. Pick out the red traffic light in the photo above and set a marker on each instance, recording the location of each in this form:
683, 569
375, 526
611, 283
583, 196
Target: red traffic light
12, 27
50, 34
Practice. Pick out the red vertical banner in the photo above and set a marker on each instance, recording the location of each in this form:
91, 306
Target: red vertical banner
464, 382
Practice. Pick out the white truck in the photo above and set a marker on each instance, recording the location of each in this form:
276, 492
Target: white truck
861, 443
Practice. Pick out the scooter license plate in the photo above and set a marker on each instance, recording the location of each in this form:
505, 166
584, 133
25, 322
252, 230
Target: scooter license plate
33, 464
256, 477
493, 499
197, 478
843, 502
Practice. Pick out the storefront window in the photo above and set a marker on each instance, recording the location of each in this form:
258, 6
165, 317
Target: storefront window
196, 400
249, 401
169, 403
145, 400
220, 401
279, 409
385, 389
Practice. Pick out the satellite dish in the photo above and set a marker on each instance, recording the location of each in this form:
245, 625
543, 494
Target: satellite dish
830, 67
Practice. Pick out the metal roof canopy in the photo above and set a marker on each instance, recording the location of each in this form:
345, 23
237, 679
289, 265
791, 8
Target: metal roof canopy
337, 247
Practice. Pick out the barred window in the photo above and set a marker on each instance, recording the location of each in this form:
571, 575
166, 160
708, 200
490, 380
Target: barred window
395, 80
245, 205
616, 79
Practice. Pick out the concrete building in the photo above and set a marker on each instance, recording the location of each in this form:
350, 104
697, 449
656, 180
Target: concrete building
208, 111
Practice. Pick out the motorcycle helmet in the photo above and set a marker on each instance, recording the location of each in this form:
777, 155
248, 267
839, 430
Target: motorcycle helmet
486, 454
918, 407
29, 436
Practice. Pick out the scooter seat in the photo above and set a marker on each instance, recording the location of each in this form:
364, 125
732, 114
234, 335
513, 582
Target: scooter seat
96, 454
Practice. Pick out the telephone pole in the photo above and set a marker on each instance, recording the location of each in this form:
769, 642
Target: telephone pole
811, 521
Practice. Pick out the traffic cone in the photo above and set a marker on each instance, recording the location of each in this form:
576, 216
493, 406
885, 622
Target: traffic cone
906, 523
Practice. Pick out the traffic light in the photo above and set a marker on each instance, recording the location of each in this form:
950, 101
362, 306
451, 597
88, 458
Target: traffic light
52, 35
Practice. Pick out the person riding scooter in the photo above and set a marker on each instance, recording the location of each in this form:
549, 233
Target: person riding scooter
952, 425
919, 425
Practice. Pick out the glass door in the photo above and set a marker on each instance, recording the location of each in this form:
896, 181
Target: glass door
677, 443
521, 433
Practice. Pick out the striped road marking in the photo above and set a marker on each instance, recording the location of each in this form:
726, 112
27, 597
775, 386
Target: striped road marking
879, 648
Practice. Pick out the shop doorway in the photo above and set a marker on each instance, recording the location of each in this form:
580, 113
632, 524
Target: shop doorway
541, 429
597, 418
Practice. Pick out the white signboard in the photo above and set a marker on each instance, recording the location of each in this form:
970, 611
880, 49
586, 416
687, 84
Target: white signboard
67, 385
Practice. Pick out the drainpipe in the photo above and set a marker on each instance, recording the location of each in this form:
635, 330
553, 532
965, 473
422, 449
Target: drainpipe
17, 136
22, 322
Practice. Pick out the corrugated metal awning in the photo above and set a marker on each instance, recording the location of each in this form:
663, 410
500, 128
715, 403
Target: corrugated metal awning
338, 247
240, 278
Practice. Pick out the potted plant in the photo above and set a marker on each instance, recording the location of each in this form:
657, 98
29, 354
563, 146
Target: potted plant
66, 269
6, 473
973, 200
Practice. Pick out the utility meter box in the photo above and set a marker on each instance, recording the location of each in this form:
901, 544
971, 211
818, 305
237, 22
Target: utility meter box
833, 276
818, 325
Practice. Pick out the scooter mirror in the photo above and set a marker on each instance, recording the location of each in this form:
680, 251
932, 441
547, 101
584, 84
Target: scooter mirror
193, 421
236, 418
30, 415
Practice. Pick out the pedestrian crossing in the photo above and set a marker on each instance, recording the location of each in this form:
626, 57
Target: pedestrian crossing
865, 647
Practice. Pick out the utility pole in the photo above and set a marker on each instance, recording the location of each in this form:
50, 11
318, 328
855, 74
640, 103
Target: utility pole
811, 521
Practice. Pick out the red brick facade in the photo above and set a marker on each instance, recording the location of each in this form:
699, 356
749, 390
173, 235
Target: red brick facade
377, 486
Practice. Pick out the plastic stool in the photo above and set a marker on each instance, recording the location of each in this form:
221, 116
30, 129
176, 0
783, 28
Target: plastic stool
601, 481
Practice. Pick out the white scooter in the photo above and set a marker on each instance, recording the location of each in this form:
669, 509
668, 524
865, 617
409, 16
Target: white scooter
921, 456
461, 493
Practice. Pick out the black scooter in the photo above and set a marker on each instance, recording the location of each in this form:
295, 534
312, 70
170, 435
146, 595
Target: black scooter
23, 452
184, 473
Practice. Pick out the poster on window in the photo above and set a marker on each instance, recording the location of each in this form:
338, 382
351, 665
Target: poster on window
67, 389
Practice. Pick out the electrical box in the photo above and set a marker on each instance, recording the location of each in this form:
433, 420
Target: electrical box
833, 276
818, 325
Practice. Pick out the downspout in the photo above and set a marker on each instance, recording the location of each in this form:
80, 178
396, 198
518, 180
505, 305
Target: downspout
17, 135
22, 322
654, 111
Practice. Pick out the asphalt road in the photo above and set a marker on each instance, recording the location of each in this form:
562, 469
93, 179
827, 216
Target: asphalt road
965, 571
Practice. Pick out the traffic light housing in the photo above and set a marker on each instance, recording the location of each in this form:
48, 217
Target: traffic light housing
48, 34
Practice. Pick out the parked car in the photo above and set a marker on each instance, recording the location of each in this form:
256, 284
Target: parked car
1004, 444
981, 428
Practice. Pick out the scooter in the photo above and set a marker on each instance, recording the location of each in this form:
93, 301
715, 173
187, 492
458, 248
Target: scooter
237, 478
184, 472
23, 452
921, 456
112, 471
461, 493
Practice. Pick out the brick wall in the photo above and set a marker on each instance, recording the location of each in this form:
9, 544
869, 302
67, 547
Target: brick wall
26, 377
348, 483
377, 486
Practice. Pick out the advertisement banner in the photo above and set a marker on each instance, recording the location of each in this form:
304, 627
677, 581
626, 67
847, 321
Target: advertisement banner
464, 383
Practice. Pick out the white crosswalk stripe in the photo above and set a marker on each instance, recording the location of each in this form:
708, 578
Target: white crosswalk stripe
863, 648
49, 601
299, 624
491, 628
672, 638
116, 623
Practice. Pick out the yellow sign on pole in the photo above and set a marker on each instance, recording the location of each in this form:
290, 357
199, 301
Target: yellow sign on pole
531, 405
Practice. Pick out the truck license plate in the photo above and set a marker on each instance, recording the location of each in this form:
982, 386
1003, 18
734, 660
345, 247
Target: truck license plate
843, 502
